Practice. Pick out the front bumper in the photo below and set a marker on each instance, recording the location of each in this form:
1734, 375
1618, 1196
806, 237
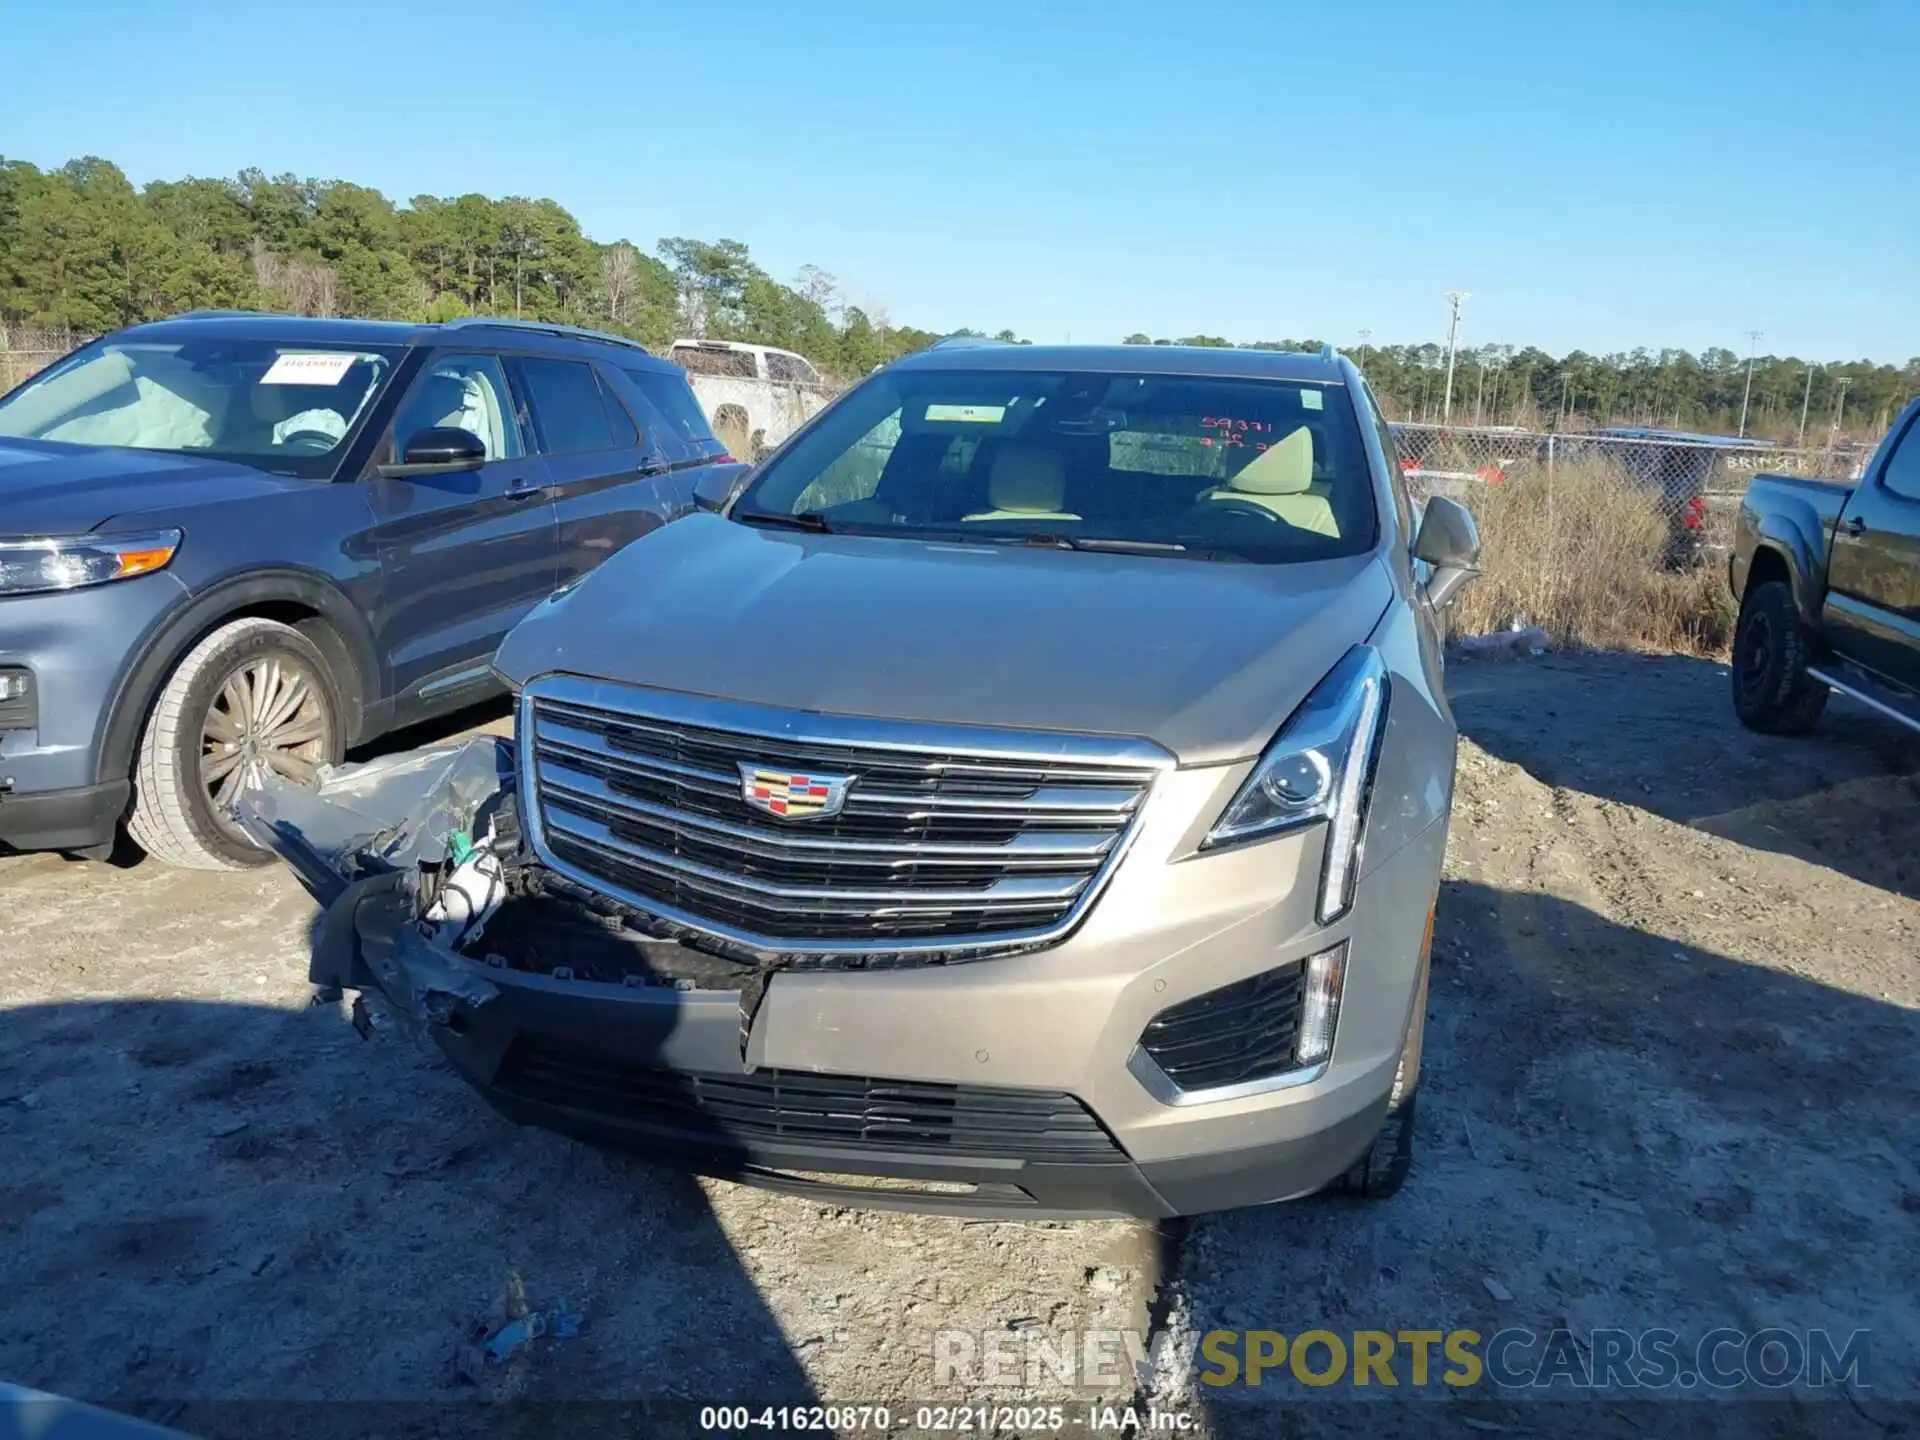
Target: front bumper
79, 646
998, 1087
76, 819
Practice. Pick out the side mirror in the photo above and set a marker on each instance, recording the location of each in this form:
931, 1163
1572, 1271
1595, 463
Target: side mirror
718, 484
1449, 542
439, 450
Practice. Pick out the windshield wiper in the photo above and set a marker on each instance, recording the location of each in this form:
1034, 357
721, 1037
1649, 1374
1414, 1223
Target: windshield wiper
1051, 541
811, 520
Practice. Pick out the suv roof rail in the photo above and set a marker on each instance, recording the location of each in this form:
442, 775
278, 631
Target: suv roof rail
214, 312
544, 327
956, 342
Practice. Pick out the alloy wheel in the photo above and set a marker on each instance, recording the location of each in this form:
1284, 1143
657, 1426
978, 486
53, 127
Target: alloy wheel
268, 717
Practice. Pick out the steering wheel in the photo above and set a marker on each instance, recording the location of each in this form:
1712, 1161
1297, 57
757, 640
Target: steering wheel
318, 441
1242, 507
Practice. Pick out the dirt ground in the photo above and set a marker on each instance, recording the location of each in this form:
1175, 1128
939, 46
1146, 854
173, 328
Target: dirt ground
1670, 1081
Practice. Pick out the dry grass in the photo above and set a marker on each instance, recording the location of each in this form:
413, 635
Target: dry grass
1584, 558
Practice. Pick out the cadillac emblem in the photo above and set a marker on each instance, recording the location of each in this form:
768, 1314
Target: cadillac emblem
793, 795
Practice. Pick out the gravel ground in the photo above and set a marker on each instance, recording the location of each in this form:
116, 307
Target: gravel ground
1670, 1082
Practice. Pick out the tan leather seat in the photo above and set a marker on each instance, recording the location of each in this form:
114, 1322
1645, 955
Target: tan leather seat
1026, 484
1281, 480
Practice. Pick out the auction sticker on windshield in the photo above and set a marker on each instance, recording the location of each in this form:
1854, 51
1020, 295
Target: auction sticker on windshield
324, 369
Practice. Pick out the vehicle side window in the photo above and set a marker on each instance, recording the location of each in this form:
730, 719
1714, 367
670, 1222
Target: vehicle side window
782, 368
626, 434
464, 392
677, 423
1902, 472
1396, 478
569, 412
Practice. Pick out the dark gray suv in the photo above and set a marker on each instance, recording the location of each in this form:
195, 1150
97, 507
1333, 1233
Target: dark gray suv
236, 543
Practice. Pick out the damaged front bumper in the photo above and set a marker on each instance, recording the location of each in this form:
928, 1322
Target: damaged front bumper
564, 1013
997, 1089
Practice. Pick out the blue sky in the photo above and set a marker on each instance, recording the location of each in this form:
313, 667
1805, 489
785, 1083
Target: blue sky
1600, 176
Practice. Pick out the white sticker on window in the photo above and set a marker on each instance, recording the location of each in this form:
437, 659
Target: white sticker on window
978, 414
308, 370
1310, 400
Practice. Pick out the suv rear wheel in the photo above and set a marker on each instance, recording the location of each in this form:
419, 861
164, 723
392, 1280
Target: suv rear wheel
253, 697
1772, 691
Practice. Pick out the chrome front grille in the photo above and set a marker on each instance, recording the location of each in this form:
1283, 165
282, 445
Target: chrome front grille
948, 840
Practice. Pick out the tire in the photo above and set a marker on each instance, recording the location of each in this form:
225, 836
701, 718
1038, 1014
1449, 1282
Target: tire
1772, 691
212, 694
1383, 1169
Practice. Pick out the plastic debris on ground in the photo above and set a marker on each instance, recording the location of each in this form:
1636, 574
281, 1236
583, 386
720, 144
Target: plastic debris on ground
1524, 640
514, 1336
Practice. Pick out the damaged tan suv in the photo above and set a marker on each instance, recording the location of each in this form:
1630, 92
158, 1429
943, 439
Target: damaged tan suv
1024, 793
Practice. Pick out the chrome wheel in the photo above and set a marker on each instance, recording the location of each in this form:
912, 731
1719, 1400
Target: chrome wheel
268, 717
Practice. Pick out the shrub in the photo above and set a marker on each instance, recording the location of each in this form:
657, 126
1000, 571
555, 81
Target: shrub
1583, 554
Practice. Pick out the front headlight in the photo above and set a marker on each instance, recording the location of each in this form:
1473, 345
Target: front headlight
1319, 767
66, 562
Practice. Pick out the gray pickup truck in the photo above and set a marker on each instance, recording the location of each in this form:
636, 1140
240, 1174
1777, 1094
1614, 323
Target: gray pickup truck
1828, 580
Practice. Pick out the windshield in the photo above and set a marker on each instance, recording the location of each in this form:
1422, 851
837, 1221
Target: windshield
286, 408
1188, 466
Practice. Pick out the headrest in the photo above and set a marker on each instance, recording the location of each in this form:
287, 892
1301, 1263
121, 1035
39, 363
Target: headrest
441, 398
1285, 468
1026, 480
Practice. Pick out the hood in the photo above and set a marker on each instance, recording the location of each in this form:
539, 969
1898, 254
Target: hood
51, 489
1206, 658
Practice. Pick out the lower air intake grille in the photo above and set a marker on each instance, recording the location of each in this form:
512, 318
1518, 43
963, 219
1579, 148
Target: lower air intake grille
848, 1112
1230, 1036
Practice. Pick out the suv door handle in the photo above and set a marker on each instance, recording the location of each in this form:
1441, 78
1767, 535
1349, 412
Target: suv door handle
521, 490
1856, 526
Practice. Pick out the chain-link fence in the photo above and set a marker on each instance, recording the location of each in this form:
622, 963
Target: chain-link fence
1607, 537
26, 352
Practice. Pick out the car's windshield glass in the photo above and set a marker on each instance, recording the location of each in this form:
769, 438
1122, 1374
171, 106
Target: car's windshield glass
1188, 466
281, 407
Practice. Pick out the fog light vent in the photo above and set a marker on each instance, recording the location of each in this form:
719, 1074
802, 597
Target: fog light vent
1274, 1024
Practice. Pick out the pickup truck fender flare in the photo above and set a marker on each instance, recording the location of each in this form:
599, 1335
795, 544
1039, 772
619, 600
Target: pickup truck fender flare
350, 648
1791, 529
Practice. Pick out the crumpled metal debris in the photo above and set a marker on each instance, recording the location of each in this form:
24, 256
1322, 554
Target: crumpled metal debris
388, 849
383, 815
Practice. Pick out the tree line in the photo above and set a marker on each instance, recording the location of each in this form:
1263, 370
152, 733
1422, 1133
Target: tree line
83, 251
1667, 389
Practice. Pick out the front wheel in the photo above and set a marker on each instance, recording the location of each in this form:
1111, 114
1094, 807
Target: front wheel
251, 699
1772, 691
1383, 1169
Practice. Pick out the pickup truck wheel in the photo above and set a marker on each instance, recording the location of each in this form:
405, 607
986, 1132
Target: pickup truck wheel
1772, 691
253, 697
1383, 1169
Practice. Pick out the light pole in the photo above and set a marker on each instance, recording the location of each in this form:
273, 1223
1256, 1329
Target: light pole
1455, 298
1753, 346
1806, 399
1839, 409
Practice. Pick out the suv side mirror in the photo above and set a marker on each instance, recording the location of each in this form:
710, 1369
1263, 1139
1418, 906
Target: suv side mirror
439, 450
1448, 541
718, 485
